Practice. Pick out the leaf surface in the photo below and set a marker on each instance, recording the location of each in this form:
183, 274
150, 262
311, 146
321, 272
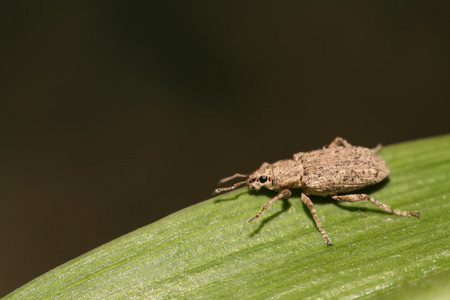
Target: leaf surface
209, 250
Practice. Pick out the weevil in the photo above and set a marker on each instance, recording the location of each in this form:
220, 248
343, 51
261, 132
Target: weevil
333, 171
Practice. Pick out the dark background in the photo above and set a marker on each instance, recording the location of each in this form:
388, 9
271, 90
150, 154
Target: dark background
116, 114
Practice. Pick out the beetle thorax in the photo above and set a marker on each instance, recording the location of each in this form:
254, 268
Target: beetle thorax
287, 173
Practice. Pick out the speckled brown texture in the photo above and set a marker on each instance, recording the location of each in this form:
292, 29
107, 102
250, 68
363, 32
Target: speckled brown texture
340, 170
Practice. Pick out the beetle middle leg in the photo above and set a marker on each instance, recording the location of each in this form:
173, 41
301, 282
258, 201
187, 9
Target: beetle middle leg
339, 142
364, 197
310, 205
284, 194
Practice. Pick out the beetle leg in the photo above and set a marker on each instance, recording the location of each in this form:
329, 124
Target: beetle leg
376, 149
339, 142
237, 175
364, 197
310, 205
284, 194
264, 165
297, 156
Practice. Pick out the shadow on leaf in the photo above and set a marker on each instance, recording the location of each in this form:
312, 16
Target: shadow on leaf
264, 221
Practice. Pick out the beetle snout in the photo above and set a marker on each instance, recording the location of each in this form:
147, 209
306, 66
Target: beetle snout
254, 185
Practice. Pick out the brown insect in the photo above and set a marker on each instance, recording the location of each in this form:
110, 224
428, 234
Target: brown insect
333, 171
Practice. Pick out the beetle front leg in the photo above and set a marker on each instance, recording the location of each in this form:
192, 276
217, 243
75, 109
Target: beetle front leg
364, 197
310, 205
237, 175
284, 194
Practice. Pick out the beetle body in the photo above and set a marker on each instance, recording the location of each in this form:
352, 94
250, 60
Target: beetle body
326, 171
335, 171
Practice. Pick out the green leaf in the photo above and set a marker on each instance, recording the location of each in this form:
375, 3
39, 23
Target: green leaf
209, 250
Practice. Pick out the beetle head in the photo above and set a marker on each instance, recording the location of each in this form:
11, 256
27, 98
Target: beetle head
261, 177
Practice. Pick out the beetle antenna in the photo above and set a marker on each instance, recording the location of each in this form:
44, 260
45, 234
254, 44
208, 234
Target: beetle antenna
237, 175
226, 189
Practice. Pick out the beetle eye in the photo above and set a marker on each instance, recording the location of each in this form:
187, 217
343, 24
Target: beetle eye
263, 179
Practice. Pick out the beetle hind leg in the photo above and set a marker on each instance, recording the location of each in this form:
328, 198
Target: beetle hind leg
364, 197
377, 148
